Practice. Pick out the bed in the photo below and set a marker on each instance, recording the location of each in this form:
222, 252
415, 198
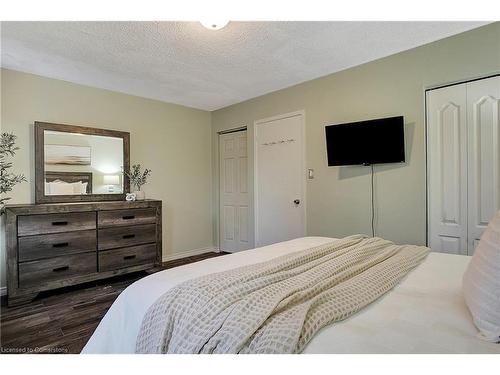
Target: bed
425, 313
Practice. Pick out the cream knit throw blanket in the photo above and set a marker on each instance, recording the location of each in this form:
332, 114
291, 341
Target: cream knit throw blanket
275, 306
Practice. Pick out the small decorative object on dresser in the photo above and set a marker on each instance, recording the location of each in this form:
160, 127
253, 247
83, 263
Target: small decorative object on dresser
138, 179
59, 244
130, 197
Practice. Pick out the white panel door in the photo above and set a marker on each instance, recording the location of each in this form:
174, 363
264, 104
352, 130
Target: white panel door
447, 172
234, 213
483, 114
279, 179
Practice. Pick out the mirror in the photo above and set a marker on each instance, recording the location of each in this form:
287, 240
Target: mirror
80, 164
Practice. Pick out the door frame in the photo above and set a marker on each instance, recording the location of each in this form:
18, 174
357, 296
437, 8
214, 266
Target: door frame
256, 124
219, 193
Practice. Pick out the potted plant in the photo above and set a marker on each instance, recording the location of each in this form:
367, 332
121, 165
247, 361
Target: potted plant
7, 179
138, 179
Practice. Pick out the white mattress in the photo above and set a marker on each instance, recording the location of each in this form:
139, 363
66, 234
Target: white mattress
426, 313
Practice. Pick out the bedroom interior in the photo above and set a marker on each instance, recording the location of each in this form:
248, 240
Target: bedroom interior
250, 187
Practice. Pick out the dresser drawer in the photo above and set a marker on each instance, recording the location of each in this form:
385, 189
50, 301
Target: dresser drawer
43, 246
39, 272
114, 237
55, 223
133, 216
126, 257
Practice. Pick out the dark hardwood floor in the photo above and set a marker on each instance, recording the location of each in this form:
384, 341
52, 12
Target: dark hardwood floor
62, 321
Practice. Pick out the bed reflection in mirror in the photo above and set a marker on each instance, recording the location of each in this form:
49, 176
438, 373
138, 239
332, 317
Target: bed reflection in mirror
78, 164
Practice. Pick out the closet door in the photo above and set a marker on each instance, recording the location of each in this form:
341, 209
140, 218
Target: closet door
483, 142
234, 220
447, 169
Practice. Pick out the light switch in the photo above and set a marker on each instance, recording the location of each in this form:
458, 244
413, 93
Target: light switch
310, 173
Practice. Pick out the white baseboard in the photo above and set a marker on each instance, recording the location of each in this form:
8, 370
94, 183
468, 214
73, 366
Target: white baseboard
3, 291
190, 253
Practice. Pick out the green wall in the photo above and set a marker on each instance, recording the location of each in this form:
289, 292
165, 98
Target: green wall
172, 140
338, 199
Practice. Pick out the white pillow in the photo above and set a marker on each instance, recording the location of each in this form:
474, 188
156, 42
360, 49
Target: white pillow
49, 184
78, 187
60, 188
84, 187
481, 283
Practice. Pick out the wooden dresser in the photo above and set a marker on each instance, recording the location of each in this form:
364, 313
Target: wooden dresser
54, 245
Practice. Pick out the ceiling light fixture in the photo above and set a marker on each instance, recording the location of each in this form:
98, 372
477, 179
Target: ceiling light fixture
214, 25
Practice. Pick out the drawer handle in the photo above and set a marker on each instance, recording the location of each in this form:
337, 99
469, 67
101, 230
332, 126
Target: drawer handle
59, 223
128, 236
60, 269
128, 217
128, 257
62, 244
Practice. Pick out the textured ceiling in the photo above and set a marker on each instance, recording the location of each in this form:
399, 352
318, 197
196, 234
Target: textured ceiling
184, 63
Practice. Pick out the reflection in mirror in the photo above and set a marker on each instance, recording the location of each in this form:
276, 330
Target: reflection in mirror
78, 164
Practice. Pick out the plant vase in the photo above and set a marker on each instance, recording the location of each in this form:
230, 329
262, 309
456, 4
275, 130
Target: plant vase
140, 195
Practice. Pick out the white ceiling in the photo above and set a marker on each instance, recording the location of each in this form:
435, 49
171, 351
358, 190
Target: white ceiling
184, 63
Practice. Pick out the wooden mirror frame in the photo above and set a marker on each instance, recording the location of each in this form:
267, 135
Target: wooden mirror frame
40, 196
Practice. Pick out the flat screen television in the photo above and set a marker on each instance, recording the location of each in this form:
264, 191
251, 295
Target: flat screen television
366, 142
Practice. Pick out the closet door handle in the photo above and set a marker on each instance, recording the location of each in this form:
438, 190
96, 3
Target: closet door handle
60, 269
125, 236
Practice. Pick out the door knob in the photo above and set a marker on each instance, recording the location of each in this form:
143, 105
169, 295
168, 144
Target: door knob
296, 201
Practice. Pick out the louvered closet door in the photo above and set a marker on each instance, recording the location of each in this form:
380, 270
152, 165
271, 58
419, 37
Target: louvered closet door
234, 210
483, 115
447, 167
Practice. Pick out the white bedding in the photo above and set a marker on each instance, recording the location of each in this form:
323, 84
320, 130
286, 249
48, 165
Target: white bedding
426, 313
